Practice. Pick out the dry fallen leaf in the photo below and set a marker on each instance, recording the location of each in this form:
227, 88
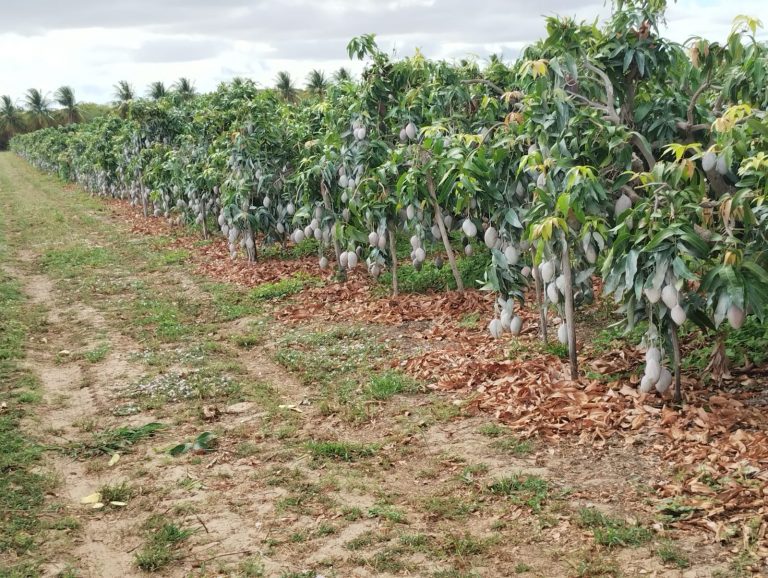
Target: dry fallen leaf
93, 498
210, 412
114, 459
291, 407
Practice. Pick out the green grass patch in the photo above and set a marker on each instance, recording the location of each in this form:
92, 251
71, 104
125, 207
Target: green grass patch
248, 340
387, 512
170, 257
514, 446
750, 342
12, 327
340, 450
449, 507
121, 492
672, 555
464, 545
414, 542
430, 278
97, 354
470, 321
612, 532
389, 384
284, 287
364, 540
530, 491
307, 248
251, 567
163, 318
22, 487
351, 513
596, 566
492, 430
71, 262
229, 301
163, 538
338, 361
558, 349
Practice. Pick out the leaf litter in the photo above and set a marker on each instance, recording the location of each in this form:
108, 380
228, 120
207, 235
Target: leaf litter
717, 444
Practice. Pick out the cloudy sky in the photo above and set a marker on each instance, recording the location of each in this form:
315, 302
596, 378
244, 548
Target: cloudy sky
91, 44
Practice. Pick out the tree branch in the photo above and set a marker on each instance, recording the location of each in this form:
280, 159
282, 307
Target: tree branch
682, 125
487, 83
630, 192
613, 116
598, 105
692, 106
491, 131
647, 154
610, 105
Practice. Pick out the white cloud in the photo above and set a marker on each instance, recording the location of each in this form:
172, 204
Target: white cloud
91, 44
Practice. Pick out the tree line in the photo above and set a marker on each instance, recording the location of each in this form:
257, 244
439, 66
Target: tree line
38, 110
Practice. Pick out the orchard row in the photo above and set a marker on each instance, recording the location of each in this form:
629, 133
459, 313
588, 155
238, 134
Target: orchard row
601, 152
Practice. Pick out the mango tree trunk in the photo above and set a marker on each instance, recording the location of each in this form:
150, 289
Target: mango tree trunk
204, 216
336, 247
539, 288
444, 234
393, 251
570, 317
675, 341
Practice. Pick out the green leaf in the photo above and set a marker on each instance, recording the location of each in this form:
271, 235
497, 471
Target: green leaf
176, 451
628, 55
204, 442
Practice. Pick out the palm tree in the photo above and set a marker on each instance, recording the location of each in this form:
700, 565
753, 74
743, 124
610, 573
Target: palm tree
184, 88
65, 98
39, 108
124, 95
11, 121
317, 83
284, 85
10, 115
156, 90
342, 75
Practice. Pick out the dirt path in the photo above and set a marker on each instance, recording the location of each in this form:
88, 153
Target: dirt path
325, 462
76, 396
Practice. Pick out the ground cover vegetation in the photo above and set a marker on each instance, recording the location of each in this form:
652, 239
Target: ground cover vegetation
511, 211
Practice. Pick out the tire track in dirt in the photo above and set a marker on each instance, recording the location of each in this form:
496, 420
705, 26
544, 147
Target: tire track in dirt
72, 396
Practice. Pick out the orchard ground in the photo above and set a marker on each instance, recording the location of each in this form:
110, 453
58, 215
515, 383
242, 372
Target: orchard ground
322, 428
